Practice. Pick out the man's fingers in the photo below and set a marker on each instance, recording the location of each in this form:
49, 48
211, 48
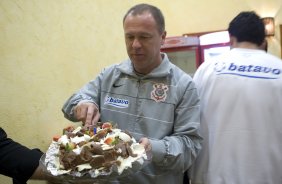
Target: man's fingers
89, 114
96, 118
146, 143
80, 112
77, 113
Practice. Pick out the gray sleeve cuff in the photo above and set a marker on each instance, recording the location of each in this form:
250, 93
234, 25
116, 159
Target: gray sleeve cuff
158, 150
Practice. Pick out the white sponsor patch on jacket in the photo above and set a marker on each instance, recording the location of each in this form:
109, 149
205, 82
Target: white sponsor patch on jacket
251, 71
116, 102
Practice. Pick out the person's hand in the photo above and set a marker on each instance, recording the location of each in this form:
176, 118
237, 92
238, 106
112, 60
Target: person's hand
87, 112
146, 143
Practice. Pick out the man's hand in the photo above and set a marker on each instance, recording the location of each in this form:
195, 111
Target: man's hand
146, 143
87, 112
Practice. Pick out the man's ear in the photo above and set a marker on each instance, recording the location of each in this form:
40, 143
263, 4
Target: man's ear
233, 41
163, 37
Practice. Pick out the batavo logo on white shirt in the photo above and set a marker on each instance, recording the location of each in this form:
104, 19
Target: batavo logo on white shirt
251, 71
116, 102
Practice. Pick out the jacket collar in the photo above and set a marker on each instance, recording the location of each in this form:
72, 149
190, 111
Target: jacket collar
162, 70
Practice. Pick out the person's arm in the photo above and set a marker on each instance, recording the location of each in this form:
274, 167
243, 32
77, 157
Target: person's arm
18, 161
87, 94
179, 150
40, 174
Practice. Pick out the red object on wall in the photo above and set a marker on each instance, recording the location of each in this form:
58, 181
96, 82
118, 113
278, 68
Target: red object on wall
183, 51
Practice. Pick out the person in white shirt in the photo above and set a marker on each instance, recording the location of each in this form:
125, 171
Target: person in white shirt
241, 107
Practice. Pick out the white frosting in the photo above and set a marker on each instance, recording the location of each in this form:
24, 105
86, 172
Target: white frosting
52, 159
127, 162
77, 139
77, 150
123, 136
83, 166
76, 130
107, 147
63, 140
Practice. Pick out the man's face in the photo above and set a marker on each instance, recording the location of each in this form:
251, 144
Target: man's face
143, 42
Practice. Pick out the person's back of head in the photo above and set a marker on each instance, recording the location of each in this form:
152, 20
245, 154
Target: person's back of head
247, 27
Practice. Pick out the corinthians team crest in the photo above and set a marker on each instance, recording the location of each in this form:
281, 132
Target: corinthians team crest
159, 92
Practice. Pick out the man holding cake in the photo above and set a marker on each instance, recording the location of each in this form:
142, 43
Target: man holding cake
149, 97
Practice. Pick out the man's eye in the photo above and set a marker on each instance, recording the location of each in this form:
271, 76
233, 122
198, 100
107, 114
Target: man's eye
129, 37
144, 37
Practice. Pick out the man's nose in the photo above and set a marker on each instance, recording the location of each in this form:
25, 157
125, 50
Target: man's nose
136, 43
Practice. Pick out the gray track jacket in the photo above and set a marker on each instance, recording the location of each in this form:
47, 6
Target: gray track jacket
163, 106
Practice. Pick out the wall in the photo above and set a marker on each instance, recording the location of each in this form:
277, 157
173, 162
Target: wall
49, 49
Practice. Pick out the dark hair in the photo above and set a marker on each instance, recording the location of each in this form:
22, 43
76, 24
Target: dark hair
247, 26
156, 13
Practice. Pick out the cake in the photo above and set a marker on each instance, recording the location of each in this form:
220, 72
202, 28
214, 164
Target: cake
93, 151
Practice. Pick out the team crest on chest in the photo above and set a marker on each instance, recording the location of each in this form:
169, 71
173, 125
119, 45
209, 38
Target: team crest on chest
159, 92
